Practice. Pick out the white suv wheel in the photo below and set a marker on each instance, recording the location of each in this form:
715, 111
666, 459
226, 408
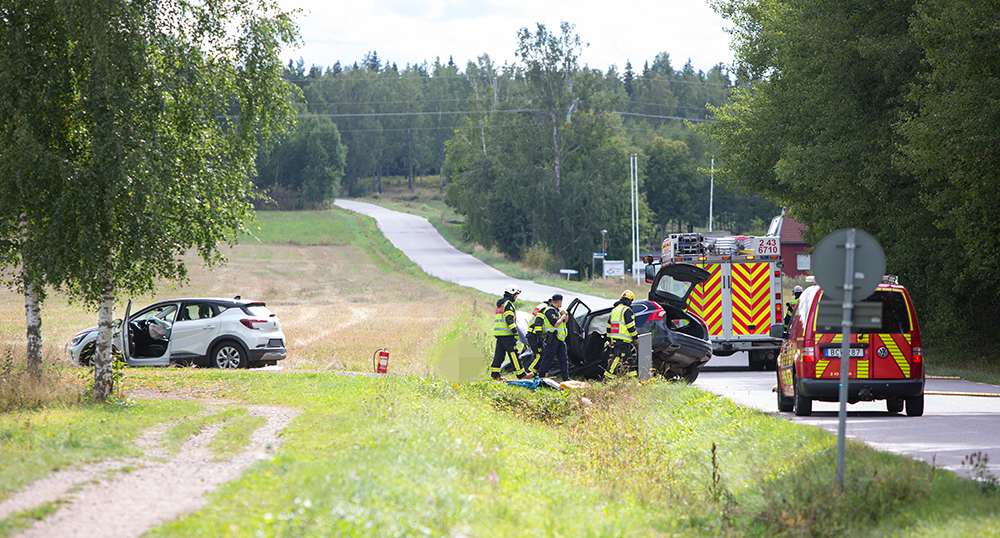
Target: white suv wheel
228, 356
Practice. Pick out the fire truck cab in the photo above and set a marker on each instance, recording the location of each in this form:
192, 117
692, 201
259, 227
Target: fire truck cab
740, 302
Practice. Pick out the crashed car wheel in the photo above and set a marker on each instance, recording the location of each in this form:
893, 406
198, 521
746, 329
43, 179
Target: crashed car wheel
87, 354
228, 356
692, 374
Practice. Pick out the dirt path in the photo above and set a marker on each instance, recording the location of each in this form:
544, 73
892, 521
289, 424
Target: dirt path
127, 497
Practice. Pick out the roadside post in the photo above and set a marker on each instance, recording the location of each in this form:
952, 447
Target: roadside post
597, 256
863, 263
644, 348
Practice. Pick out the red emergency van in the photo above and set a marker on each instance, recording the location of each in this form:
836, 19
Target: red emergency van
885, 363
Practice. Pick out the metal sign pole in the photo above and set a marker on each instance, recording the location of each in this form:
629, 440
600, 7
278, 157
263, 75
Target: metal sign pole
845, 351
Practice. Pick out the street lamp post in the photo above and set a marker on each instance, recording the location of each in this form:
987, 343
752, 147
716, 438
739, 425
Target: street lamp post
604, 251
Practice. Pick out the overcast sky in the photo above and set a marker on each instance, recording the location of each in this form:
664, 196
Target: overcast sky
412, 31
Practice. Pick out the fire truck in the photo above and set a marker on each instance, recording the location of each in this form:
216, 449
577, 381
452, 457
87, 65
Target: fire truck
741, 302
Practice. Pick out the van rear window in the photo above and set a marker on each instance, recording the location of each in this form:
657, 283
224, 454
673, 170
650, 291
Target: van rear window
895, 318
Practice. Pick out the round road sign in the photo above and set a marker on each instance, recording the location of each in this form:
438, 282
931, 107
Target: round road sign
829, 262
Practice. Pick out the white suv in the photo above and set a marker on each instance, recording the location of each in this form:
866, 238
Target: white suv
222, 333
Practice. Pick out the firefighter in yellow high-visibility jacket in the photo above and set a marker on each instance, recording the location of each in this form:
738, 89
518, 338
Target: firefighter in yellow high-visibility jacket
505, 331
536, 331
621, 333
554, 344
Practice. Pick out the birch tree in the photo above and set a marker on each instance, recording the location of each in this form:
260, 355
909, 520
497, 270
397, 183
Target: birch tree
168, 104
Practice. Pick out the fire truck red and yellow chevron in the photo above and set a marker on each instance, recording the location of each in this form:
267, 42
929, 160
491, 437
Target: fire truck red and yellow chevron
751, 305
706, 299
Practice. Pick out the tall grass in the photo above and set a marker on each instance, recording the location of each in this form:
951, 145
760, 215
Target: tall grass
19, 390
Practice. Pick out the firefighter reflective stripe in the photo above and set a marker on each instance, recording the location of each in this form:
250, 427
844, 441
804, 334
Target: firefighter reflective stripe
547, 326
706, 299
561, 332
821, 367
751, 299
537, 324
617, 328
503, 320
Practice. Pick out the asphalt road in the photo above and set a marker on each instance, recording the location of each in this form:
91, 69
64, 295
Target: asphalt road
951, 427
418, 239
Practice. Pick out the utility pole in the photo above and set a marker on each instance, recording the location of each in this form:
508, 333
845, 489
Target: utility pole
711, 196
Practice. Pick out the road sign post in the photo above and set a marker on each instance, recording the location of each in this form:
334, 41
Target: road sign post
861, 275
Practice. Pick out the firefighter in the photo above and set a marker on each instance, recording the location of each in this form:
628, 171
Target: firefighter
536, 331
554, 345
792, 305
505, 331
621, 333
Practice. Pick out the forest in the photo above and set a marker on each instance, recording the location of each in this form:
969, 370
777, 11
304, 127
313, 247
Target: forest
487, 133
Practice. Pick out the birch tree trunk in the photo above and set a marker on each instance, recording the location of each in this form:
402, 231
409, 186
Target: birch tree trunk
103, 360
33, 321
32, 309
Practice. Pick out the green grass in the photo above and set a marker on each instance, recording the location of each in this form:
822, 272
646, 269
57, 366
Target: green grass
235, 434
327, 227
378, 456
37, 443
237, 425
19, 521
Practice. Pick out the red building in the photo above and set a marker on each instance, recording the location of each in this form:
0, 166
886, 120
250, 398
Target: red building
797, 262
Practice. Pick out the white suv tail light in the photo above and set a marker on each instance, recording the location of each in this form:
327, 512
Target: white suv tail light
249, 323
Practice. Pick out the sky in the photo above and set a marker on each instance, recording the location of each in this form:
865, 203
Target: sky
414, 31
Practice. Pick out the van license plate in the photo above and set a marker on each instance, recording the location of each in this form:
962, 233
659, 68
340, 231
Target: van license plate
856, 352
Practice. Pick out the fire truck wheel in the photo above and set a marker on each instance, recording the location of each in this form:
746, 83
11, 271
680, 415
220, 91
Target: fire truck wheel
757, 364
894, 405
770, 360
915, 406
785, 404
802, 406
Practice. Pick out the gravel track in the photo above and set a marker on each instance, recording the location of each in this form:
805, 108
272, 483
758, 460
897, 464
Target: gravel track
127, 497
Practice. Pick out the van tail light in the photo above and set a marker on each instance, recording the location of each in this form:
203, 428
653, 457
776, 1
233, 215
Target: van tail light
917, 362
249, 323
807, 368
657, 315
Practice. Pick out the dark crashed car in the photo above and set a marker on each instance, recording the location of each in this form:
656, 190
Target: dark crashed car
679, 337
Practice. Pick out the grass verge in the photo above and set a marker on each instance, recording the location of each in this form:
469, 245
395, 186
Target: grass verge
377, 456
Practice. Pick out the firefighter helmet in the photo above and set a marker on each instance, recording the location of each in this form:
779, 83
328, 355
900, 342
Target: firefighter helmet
627, 294
797, 290
512, 290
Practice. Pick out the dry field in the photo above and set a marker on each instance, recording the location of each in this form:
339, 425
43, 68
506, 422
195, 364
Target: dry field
335, 306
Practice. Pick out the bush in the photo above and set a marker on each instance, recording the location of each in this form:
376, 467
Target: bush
540, 257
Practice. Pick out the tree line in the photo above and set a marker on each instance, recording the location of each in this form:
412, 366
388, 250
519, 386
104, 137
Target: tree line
880, 116
426, 119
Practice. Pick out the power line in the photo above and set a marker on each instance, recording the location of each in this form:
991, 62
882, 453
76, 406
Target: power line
465, 112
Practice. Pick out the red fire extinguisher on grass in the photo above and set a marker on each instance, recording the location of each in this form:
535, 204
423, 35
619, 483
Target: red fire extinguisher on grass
380, 360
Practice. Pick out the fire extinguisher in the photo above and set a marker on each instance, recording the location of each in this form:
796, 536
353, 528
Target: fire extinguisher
380, 360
